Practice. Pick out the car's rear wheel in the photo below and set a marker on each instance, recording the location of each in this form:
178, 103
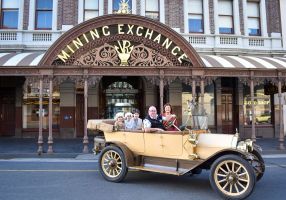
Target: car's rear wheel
112, 164
232, 177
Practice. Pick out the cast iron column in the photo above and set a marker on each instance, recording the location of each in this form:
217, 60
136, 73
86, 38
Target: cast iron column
194, 89
161, 87
202, 92
253, 121
85, 138
50, 138
281, 131
40, 138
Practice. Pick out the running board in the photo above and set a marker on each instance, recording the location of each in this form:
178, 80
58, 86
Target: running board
166, 165
158, 169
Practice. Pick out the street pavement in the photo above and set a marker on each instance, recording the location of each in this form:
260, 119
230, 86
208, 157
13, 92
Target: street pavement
73, 179
69, 174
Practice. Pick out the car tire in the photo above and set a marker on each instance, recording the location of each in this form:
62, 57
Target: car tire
232, 177
112, 164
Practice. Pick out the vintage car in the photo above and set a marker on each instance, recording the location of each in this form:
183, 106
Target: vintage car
234, 165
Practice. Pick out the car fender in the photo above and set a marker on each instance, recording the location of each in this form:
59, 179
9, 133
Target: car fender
129, 157
206, 164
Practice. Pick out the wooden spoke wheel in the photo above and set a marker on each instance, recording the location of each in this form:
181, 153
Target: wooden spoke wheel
232, 177
112, 164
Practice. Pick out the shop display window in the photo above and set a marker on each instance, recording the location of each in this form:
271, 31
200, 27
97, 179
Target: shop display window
30, 108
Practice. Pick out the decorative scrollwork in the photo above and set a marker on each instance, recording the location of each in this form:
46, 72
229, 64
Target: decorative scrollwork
101, 56
144, 56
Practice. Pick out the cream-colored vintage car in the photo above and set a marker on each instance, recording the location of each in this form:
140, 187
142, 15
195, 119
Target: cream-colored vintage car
234, 165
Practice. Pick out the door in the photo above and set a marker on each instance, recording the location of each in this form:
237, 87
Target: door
7, 112
79, 123
227, 113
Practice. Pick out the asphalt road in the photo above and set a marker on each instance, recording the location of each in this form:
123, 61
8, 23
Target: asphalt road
66, 179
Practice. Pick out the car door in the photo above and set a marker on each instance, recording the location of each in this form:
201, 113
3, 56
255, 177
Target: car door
165, 144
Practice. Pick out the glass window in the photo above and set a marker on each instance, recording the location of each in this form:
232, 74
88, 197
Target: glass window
262, 107
121, 97
209, 103
116, 5
195, 16
44, 11
152, 9
253, 18
225, 18
9, 14
91, 9
30, 108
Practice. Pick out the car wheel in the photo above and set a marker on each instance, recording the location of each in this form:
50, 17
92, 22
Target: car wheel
112, 164
232, 177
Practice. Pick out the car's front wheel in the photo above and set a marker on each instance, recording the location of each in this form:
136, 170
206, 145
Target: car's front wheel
232, 177
112, 164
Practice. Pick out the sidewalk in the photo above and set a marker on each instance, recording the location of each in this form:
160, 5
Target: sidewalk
72, 148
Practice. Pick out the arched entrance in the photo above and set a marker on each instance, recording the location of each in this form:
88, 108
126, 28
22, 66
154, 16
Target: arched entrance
120, 94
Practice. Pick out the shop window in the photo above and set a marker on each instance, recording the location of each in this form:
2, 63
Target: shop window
195, 16
253, 18
225, 16
44, 12
152, 9
262, 106
209, 103
30, 108
116, 5
9, 14
91, 9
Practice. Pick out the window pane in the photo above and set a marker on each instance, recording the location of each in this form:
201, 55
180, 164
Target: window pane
10, 4
253, 9
44, 20
225, 7
253, 26
152, 5
10, 19
152, 15
116, 4
90, 14
91, 4
195, 6
209, 105
30, 108
225, 24
262, 104
196, 23
45, 4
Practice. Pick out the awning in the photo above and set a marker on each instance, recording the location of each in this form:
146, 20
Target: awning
210, 61
243, 62
20, 59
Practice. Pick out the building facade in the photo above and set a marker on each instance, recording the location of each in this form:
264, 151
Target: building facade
63, 62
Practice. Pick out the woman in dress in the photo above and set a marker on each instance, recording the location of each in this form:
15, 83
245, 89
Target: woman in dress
169, 119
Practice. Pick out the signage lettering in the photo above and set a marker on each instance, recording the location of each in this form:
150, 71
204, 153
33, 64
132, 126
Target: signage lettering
121, 29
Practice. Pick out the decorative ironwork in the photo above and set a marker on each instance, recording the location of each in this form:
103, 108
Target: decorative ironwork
105, 55
144, 56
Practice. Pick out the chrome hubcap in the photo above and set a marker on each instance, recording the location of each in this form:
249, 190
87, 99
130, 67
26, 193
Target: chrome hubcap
231, 177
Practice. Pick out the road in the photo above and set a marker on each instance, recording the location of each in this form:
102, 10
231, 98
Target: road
68, 179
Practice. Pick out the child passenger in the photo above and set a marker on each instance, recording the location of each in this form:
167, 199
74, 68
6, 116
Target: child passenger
128, 121
119, 123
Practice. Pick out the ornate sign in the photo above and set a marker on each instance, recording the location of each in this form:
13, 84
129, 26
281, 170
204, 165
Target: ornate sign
124, 38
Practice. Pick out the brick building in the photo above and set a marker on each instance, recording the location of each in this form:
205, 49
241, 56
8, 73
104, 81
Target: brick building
227, 54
